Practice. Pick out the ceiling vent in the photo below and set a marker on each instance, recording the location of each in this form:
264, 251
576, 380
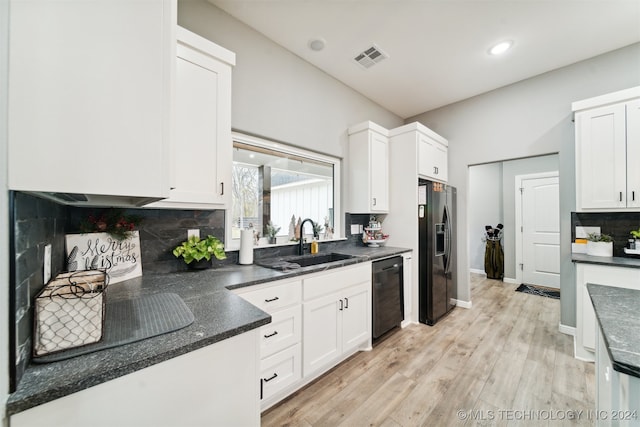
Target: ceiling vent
370, 57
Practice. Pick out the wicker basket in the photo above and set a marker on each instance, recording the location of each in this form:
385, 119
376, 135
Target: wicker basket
69, 312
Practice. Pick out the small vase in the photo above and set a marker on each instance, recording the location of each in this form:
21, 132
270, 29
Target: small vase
272, 240
203, 264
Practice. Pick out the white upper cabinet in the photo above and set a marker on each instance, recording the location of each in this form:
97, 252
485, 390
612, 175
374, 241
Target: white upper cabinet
607, 151
432, 149
90, 98
202, 153
368, 169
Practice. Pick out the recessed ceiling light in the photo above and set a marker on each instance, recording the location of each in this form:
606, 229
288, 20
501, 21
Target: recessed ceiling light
317, 44
500, 48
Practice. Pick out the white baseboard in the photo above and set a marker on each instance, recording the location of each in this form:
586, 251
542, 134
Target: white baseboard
476, 271
463, 304
510, 280
567, 330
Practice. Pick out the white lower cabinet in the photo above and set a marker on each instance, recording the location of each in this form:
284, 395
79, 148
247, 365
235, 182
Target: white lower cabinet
334, 325
317, 320
586, 325
407, 286
280, 340
617, 394
214, 385
279, 371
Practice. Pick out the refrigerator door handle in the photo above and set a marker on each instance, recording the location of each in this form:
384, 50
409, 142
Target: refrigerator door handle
447, 239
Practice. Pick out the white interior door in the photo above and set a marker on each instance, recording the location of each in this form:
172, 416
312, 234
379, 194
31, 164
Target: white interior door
541, 232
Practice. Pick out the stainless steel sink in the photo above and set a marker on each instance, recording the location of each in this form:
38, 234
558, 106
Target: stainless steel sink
293, 262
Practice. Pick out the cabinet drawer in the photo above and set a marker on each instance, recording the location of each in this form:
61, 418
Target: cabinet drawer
332, 282
279, 371
284, 330
276, 296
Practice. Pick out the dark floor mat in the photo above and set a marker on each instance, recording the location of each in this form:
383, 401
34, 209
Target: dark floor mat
539, 290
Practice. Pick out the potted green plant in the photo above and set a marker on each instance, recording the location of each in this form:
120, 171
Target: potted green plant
271, 231
636, 235
599, 244
197, 252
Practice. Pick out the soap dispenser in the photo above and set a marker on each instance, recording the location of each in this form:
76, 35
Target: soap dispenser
314, 246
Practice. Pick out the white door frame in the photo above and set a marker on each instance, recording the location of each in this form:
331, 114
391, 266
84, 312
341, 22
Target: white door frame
518, 214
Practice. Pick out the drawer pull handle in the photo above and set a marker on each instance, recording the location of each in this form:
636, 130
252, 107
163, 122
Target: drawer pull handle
266, 380
271, 334
272, 299
346, 303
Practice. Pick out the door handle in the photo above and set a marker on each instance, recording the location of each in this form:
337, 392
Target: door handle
374, 201
222, 188
621, 196
346, 303
341, 305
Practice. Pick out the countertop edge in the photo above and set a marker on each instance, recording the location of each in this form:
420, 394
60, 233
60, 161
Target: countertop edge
613, 352
615, 261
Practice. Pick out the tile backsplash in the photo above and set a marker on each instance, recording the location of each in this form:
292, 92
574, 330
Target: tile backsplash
616, 224
38, 222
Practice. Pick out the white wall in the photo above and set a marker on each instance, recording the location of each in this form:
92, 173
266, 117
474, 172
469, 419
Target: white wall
4, 210
529, 118
278, 95
485, 201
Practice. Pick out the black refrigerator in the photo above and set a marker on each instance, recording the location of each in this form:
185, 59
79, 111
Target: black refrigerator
437, 284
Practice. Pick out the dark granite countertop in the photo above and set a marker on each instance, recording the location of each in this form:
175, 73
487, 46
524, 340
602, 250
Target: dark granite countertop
219, 314
618, 314
616, 261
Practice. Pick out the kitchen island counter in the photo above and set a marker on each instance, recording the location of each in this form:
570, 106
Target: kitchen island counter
619, 319
219, 314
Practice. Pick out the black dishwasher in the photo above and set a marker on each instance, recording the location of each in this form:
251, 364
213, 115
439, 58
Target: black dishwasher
388, 307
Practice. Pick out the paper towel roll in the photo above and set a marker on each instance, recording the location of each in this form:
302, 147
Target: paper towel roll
246, 247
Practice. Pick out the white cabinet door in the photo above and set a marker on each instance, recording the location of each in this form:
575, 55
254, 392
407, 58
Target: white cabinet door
604, 379
633, 153
441, 158
90, 96
379, 170
322, 333
202, 154
432, 161
368, 169
356, 316
601, 157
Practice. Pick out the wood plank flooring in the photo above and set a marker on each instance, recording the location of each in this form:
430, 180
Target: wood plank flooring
502, 362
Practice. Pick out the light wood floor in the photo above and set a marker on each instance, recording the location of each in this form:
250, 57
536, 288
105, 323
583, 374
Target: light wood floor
502, 362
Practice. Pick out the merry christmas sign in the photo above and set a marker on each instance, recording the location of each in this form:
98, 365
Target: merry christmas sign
121, 259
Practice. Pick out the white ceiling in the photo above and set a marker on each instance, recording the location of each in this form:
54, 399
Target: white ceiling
438, 48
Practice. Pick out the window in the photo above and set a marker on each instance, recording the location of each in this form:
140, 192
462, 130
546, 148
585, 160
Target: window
274, 182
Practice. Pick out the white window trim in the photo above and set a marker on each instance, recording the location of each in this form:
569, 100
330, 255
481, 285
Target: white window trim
234, 244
